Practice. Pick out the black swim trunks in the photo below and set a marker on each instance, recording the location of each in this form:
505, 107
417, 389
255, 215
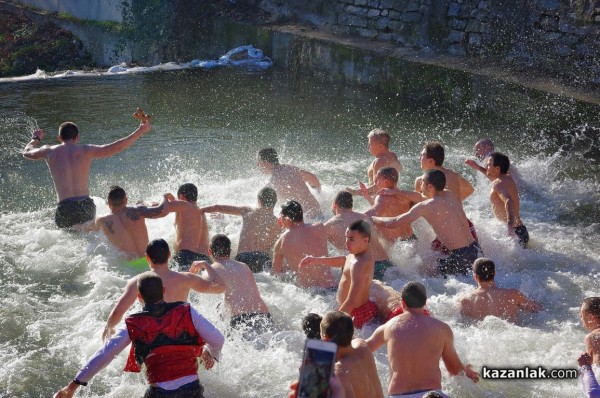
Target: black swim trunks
183, 259
380, 267
189, 390
252, 324
460, 261
523, 235
73, 211
255, 260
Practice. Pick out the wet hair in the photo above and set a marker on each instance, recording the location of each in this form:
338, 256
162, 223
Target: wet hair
158, 251
189, 192
434, 150
362, 227
499, 159
292, 210
592, 306
344, 200
433, 394
220, 245
337, 327
311, 325
150, 287
68, 131
381, 136
116, 196
267, 197
485, 143
389, 173
414, 295
268, 155
437, 178
485, 269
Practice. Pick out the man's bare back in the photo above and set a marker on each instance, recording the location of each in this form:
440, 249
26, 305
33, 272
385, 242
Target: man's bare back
358, 372
290, 183
127, 234
386, 298
386, 159
259, 230
336, 232
393, 203
455, 183
495, 301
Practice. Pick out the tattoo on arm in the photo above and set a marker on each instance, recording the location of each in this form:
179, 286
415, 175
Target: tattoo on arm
109, 226
135, 213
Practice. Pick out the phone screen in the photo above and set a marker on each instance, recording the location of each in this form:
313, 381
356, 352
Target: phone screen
317, 366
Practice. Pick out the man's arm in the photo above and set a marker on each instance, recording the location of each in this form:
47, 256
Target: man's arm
104, 151
310, 179
465, 187
526, 304
336, 262
209, 333
378, 206
392, 222
453, 363
125, 302
225, 209
31, 151
212, 284
473, 164
278, 257
509, 205
92, 225
143, 211
377, 339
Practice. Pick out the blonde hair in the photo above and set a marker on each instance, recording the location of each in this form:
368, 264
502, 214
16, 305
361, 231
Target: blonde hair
380, 135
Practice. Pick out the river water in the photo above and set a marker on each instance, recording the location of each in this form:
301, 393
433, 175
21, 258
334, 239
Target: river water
58, 287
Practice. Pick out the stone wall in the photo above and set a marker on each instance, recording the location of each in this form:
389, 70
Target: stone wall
556, 37
95, 10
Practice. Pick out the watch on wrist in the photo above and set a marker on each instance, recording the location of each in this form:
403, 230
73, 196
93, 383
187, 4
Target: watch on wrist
79, 383
35, 137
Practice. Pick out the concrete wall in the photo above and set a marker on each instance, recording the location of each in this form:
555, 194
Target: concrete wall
97, 10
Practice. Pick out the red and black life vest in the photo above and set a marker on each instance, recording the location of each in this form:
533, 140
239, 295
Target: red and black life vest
163, 337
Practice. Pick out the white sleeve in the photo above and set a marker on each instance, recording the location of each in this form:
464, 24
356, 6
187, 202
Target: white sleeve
113, 346
213, 338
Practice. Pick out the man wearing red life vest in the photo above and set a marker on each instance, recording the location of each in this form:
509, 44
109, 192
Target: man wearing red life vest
166, 337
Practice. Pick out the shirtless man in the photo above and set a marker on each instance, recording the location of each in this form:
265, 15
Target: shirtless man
191, 228
415, 344
300, 240
177, 284
290, 182
355, 365
488, 299
357, 273
483, 149
378, 146
446, 216
590, 318
504, 197
125, 227
248, 311
259, 229
344, 216
69, 163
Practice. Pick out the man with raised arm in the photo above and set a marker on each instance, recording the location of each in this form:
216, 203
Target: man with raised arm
488, 299
379, 146
69, 163
483, 149
291, 182
177, 284
337, 225
415, 344
259, 229
444, 212
166, 337
357, 274
504, 197
248, 311
298, 241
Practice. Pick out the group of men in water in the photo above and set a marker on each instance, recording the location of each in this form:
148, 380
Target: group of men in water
415, 340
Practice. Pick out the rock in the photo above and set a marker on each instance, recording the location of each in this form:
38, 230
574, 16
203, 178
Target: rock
473, 26
456, 36
453, 10
352, 20
373, 13
582, 50
550, 5
411, 17
475, 40
360, 2
412, 7
384, 13
549, 23
457, 49
381, 23
563, 51
458, 24
373, 3
357, 11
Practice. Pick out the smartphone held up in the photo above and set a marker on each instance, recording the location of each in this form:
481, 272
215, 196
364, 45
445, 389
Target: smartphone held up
317, 368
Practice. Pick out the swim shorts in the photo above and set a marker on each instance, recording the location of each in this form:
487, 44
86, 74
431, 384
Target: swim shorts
438, 246
523, 235
460, 261
255, 260
380, 267
363, 314
189, 390
73, 211
183, 259
417, 394
140, 264
252, 324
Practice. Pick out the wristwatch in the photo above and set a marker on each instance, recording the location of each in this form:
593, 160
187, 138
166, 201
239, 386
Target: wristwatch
79, 383
35, 137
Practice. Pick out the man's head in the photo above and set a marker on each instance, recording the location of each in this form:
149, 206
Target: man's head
433, 181
343, 200
414, 295
379, 141
337, 327
68, 131
386, 177
116, 197
267, 197
157, 251
432, 155
150, 287
497, 165
311, 325
484, 269
590, 313
483, 148
358, 236
292, 210
188, 192
220, 246
267, 159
